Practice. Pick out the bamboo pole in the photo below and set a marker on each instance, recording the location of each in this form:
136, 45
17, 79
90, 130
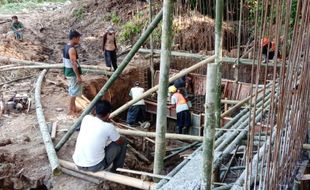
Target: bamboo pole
161, 117
51, 154
89, 68
117, 178
155, 88
142, 173
181, 150
167, 135
138, 154
212, 106
230, 60
152, 69
81, 176
15, 80
238, 185
236, 71
114, 77
306, 146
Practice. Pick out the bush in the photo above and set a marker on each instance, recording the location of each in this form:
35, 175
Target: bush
79, 13
115, 18
132, 28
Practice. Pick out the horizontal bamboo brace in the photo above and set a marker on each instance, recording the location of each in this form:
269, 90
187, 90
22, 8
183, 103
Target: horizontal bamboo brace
168, 135
306, 146
81, 176
88, 68
143, 173
117, 178
201, 57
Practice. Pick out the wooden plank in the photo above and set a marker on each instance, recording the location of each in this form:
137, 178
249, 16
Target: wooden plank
54, 130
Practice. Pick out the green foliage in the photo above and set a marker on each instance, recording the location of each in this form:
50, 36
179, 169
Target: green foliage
15, 6
132, 28
79, 13
115, 18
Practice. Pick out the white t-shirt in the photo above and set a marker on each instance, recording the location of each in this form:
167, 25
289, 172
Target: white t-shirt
93, 138
136, 92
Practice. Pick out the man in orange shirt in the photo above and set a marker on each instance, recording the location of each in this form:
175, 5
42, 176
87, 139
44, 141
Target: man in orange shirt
183, 114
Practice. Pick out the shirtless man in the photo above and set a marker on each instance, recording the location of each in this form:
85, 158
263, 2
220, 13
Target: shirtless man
109, 48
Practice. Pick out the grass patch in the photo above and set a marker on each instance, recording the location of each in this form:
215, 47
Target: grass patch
16, 6
79, 13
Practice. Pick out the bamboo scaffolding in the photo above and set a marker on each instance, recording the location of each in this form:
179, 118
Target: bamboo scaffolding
238, 185
51, 153
167, 135
212, 105
230, 60
161, 117
155, 88
117, 178
114, 77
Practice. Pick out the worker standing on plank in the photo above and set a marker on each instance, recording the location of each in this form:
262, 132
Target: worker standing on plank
183, 114
99, 145
136, 112
72, 70
17, 28
109, 48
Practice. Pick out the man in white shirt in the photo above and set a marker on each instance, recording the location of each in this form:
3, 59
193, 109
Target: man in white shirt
136, 112
99, 144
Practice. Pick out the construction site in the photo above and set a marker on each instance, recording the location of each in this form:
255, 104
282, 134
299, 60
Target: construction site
246, 66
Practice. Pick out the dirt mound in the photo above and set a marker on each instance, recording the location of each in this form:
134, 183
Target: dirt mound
195, 32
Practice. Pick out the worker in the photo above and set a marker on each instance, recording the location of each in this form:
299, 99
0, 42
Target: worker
182, 109
136, 112
268, 49
109, 48
72, 70
99, 146
17, 28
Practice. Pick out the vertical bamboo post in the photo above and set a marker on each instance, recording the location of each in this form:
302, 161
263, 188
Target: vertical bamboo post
114, 77
151, 45
236, 72
161, 118
212, 106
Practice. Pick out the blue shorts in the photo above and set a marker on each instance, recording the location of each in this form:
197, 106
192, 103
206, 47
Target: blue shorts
75, 89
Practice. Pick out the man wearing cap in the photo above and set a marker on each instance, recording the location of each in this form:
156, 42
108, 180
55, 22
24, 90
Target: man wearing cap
109, 48
136, 112
72, 69
183, 114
